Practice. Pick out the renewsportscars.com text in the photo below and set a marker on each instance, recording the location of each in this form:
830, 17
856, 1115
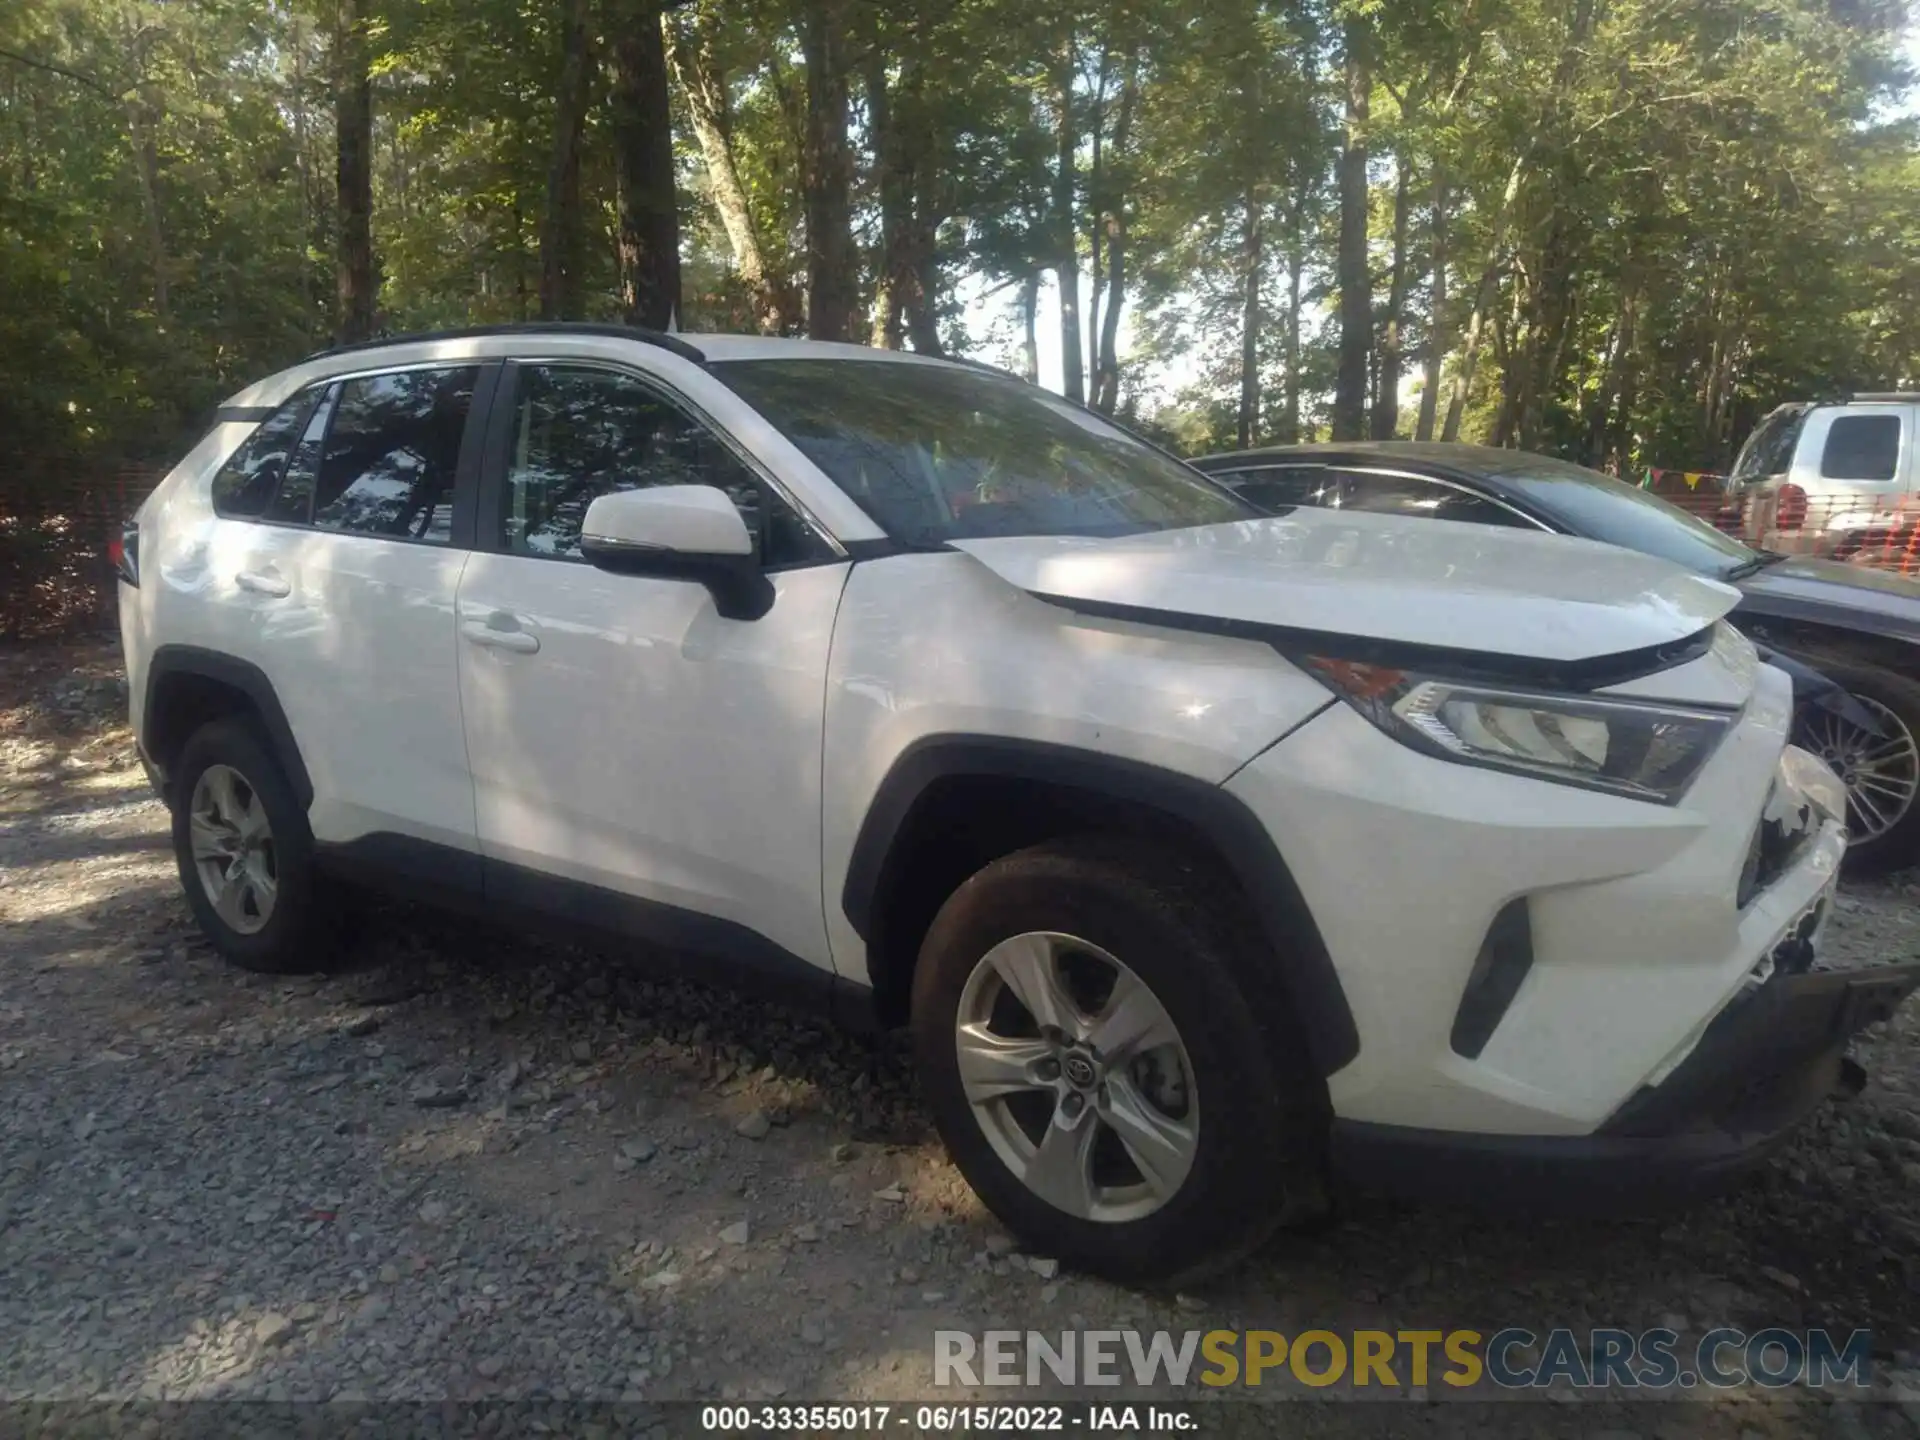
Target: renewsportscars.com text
1512, 1358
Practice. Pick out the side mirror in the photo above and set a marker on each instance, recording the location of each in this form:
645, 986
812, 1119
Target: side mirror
679, 532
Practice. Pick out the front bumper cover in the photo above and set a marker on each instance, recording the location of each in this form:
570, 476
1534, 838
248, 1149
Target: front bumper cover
1759, 1068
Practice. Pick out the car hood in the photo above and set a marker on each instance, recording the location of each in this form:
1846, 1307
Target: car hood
1383, 578
1847, 597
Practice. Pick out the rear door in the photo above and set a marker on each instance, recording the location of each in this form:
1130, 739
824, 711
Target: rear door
341, 584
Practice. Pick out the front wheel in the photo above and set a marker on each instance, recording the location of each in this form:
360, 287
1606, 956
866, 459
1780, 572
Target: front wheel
1881, 772
1082, 1023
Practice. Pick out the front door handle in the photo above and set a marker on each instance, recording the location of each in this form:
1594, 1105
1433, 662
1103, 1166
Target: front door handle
263, 582
481, 632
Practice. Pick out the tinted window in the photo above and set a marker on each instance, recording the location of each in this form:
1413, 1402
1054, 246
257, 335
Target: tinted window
1585, 502
580, 433
1279, 487
1422, 499
939, 452
293, 501
387, 465
245, 483
1769, 450
1861, 447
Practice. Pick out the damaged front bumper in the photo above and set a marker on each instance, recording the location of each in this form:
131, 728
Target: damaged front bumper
1763, 1063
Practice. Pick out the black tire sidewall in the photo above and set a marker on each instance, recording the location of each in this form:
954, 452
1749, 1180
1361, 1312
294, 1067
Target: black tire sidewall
1261, 1119
289, 941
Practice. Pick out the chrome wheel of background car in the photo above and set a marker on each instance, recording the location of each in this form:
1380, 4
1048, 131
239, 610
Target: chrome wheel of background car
1881, 772
233, 848
1077, 1077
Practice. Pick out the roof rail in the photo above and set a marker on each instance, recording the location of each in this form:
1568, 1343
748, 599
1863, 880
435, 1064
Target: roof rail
1908, 395
672, 344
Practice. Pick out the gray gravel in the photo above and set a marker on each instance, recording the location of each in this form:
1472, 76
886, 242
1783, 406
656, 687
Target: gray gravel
475, 1165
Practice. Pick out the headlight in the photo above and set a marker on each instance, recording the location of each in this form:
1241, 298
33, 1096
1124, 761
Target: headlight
1646, 750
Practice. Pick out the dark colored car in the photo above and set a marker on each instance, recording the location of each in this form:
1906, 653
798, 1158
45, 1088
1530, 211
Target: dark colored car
1856, 626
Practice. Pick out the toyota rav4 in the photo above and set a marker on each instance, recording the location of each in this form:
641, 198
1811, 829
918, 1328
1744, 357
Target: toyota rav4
1207, 855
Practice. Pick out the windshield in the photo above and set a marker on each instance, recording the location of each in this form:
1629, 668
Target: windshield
936, 452
1602, 508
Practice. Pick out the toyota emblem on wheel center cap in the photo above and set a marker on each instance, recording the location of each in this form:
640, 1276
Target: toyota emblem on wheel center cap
1079, 1071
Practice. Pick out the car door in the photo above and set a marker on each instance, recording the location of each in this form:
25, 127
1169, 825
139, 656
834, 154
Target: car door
340, 580
640, 762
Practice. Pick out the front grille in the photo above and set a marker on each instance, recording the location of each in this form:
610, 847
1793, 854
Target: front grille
1786, 828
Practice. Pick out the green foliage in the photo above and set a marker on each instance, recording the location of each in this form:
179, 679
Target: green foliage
1667, 217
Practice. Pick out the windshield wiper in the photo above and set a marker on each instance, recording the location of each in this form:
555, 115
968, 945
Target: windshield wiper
1749, 567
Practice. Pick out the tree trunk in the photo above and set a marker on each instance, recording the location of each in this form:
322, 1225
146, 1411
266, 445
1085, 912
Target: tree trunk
1106, 373
648, 234
890, 280
563, 227
833, 280
1356, 293
1251, 264
1386, 412
1029, 314
690, 53
353, 124
907, 268
1073, 372
143, 111
1437, 329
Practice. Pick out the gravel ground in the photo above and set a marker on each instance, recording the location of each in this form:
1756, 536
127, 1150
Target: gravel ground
474, 1166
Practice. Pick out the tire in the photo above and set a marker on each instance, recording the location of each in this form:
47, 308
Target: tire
1895, 701
1253, 1107
288, 931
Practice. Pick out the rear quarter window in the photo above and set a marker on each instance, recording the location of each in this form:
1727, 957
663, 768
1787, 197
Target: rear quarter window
1861, 447
243, 486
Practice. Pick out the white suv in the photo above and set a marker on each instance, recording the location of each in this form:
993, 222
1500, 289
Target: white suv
1206, 855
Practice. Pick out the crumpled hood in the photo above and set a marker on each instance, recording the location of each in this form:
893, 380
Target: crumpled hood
1380, 577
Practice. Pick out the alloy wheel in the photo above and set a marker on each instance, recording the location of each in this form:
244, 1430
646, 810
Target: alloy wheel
233, 851
1077, 1077
1881, 772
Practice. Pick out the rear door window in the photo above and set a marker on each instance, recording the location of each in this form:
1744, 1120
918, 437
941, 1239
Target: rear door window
1280, 487
1861, 447
1421, 498
387, 465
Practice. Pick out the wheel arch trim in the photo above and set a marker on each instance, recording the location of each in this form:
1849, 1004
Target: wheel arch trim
1304, 967
170, 663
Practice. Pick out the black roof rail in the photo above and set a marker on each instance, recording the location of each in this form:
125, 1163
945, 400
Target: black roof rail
672, 344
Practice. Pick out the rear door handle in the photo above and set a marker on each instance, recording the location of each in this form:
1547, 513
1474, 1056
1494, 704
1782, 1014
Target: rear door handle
263, 582
480, 632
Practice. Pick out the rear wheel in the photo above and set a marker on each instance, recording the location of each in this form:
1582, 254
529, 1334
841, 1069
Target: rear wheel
1881, 772
245, 853
1097, 1070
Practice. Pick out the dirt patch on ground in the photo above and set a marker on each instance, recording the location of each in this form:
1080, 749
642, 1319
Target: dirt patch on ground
473, 1165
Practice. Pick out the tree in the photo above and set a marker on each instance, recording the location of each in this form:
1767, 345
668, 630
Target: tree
563, 228
832, 262
1355, 281
648, 218
353, 130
